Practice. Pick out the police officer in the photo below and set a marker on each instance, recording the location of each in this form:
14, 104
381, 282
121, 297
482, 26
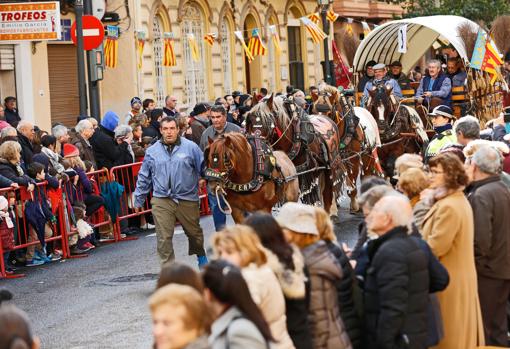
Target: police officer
441, 118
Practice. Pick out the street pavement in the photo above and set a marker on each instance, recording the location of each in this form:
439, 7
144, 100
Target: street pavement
101, 301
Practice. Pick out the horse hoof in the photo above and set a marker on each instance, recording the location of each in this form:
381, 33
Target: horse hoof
334, 219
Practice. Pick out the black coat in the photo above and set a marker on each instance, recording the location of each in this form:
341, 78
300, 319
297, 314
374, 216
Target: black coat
9, 171
12, 117
396, 293
106, 150
348, 290
151, 131
27, 150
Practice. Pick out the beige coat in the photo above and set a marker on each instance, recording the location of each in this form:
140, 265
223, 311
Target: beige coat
449, 230
267, 294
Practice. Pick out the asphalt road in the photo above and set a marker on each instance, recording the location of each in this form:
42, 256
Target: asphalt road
101, 301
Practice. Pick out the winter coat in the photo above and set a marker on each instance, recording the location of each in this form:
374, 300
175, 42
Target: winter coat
197, 128
396, 293
85, 148
27, 150
12, 117
232, 330
327, 327
267, 294
151, 131
14, 173
490, 200
106, 150
293, 285
348, 293
6, 236
5, 182
448, 228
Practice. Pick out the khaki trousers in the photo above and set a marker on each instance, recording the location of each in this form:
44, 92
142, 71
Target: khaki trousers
166, 212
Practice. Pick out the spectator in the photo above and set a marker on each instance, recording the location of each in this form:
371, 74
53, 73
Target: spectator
299, 226
170, 108
367, 76
407, 161
137, 144
171, 169
49, 144
10, 157
448, 229
3, 123
9, 134
442, 117
347, 288
124, 138
152, 130
455, 73
412, 182
179, 318
230, 101
467, 129
148, 105
11, 112
6, 233
286, 261
239, 323
179, 273
94, 123
36, 143
61, 133
26, 134
15, 329
490, 200
240, 246
199, 121
397, 286
245, 104
136, 108
396, 74
81, 140
103, 143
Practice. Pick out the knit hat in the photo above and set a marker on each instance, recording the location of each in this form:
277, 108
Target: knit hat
70, 151
135, 100
110, 121
299, 218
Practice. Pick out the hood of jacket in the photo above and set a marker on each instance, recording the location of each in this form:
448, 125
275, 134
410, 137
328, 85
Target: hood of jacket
291, 281
320, 261
110, 121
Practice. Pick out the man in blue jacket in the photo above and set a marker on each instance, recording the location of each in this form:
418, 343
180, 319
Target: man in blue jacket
436, 84
171, 169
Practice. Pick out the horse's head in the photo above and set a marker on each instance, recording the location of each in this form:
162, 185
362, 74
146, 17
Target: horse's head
267, 119
382, 102
325, 101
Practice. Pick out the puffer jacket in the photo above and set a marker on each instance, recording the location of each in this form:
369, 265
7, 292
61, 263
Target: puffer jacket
328, 329
293, 285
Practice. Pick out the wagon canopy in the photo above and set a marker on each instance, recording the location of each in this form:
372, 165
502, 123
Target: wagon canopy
381, 45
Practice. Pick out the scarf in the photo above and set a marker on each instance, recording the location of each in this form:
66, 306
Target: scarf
441, 129
54, 159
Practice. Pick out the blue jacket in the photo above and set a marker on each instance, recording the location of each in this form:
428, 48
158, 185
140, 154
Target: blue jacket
397, 91
172, 175
441, 88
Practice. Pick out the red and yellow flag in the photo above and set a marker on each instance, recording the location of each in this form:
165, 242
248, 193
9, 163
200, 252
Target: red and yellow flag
239, 36
331, 15
209, 38
313, 29
111, 46
193, 46
275, 38
140, 43
255, 45
486, 56
168, 51
314, 17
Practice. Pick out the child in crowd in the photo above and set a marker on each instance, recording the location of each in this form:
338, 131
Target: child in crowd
85, 231
6, 233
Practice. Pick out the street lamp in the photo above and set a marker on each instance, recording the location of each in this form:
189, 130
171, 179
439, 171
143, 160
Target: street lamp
324, 4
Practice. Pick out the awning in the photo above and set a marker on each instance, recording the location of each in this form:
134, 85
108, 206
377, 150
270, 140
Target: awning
381, 44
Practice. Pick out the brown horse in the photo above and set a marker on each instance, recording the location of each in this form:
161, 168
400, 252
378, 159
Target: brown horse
359, 137
400, 127
310, 142
252, 177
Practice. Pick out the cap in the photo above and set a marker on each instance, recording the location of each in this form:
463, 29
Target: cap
297, 217
379, 66
199, 108
70, 150
396, 64
136, 100
442, 110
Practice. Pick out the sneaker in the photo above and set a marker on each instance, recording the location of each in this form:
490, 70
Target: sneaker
41, 256
84, 248
89, 245
34, 262
76, 251
106, 238
55, 256
148, 226
10, 270
202, 261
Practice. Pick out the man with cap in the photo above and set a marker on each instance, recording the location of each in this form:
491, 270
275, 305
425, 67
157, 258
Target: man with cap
396, 73
380, 78
198, 122
441, 118
367, 76
136, 108
435, 85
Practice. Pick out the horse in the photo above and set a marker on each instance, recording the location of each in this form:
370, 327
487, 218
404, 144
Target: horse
252, 177
311, 142
401, 128
358, 141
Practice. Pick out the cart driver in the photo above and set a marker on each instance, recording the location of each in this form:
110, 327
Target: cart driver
380, 78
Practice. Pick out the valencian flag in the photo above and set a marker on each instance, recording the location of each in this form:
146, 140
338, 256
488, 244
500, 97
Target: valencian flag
168, 50
111, 46
209, 38
332, 16
275, 38
314, 17
313, 29
140, 43
255, 45
486, 56
193, 46
239, 35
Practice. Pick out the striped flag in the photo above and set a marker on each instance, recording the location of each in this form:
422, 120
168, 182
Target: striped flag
193, 46
210, 38
239, 36
275, 38
168, 51
314, 17
255, 45
313, 29
486, 56
140, 43
332, 16
111, 46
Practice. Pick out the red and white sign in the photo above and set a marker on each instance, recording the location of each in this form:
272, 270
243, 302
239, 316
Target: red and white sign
30, 21
93, 32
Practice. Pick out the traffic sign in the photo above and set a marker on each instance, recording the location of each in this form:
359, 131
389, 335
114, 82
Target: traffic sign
93, 32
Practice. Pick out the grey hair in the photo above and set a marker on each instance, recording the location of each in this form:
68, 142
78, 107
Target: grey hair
488, 160
436, 62
24, 123
122, 131
469, 126
6, 131
83, 125
369, 198
59, 131
397, 206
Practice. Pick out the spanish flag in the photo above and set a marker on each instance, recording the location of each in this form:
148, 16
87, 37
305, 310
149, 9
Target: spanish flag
193, 46
314, 17
239, 36
255, 45
331, 15
210, 38
168, 51
313, 29
276, 39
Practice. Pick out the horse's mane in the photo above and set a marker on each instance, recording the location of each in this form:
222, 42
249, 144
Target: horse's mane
262, 111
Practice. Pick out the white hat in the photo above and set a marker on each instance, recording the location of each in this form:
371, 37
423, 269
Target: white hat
379, 66
299, 218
